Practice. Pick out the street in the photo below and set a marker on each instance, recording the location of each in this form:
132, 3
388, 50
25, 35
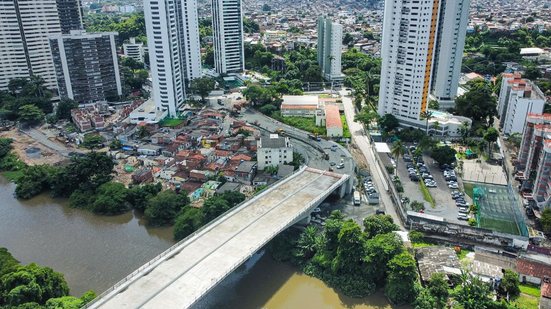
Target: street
357, 131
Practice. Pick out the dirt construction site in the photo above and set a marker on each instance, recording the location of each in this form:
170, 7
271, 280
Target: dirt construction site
30, 151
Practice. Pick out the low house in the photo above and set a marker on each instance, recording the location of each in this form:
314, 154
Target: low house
531, 271
229, 187
333, 122
149, 150
433, 260
168, 173
198, 175
246, 171
299, 105
545, 299
142, 175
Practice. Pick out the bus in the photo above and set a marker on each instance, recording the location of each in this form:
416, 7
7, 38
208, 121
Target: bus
357, 198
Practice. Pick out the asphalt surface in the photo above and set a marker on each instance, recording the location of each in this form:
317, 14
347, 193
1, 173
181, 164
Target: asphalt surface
313, 156
44, 140
358, 134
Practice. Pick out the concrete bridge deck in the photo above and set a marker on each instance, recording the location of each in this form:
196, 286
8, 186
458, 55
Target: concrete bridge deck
195, 265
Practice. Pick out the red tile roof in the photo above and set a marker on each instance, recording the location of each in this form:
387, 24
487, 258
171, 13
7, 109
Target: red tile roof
532, 268
546, 290
332, 117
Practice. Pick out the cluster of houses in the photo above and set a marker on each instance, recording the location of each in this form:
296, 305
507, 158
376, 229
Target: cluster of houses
209, 152
533, 266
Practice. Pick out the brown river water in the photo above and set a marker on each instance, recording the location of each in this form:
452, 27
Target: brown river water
94, 252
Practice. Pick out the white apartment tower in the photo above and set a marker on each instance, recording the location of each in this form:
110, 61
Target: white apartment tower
174, 50
329, 48
422, 48
25, 26
227, 26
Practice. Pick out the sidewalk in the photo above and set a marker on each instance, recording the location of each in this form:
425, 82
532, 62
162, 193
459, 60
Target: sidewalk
357, 131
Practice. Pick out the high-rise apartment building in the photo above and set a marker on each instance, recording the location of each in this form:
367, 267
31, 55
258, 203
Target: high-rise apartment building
70, 15
422, 48
25, 26
174, 50
534, 159
134, 50
330, 49
227, 25
86, 66
518, 97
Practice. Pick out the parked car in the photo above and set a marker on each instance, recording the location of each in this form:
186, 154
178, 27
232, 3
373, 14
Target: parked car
379, 212
340, 166
463, 217
463, 210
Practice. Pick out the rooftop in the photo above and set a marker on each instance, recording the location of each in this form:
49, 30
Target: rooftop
332, 116
533, 268
274, 141
433, 260
300, 100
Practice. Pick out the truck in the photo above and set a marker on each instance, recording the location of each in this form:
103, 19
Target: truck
357, 198
280, 131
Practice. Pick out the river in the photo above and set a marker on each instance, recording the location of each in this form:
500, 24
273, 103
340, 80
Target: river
94, 252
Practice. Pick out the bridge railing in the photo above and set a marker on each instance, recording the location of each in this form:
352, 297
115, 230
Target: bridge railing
283, 227
172, 250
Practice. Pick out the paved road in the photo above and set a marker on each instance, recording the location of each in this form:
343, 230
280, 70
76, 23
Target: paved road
315, 157
357, 131
43, 139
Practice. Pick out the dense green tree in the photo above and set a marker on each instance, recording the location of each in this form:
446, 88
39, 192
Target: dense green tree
163, 208
30, 114
111, 199
366, 116
259, 95
402, 277
64, 107
7, 262
443, 154
433, 104
70, 302
35, 180
202, 86
92, 140
545, 220
478, 103
438, 288
509, 286
250, 26
86, 172
31, 283
214, 207
378, 224
491, 137
350, 248
187, 222
389, 123
472, 293
308, 243
138, 196
233, 197
416, 236
5, 146
333, 226
379, 250
424, 300
347, 39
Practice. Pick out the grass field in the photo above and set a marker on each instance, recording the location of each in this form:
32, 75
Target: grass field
499, 225
426, 194
306, 124
171, 122
468, 188
12, 175
531, 290
527, 302
345, 130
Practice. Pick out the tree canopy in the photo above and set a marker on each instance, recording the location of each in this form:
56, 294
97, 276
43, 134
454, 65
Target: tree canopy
478, 103
164, 207
443, 154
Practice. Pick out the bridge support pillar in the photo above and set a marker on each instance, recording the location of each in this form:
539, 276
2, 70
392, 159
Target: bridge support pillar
305, 220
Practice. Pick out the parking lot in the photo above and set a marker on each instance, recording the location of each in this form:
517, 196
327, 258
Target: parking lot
445, 205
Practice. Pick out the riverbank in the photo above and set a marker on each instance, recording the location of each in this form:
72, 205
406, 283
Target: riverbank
93, 252
265, 283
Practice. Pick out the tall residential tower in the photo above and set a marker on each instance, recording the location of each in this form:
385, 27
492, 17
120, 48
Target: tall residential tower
330, 49
227, 25
25, 26
86, 66
422, 48
174, 50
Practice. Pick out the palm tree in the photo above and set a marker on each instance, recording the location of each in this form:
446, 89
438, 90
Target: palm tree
427, 115
307, 243
436, 126
397, 150
464, 130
